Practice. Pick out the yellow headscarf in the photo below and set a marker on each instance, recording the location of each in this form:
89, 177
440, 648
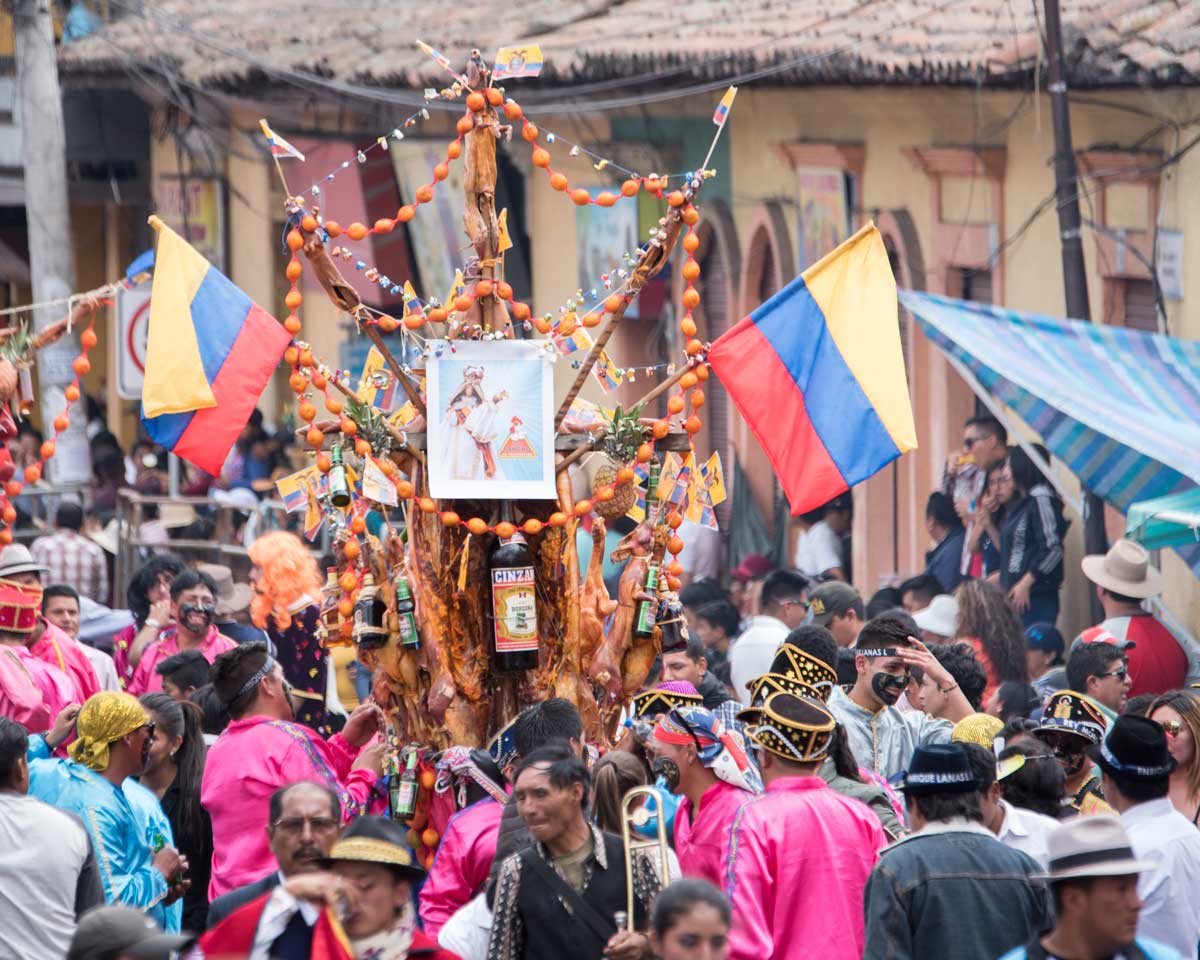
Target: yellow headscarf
104, 719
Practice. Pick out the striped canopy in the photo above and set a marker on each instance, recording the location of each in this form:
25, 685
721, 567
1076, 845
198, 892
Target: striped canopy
1119, 407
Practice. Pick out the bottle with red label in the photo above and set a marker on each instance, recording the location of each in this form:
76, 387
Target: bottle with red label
514, 601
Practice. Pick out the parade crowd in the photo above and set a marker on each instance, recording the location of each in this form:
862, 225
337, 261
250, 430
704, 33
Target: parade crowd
933, 771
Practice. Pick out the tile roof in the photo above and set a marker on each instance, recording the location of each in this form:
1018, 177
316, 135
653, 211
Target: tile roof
620, 47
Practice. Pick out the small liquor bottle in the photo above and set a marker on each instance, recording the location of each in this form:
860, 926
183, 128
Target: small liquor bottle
514, 601
370, 630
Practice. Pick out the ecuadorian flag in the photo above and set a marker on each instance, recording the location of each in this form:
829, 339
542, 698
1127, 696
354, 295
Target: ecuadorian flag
818, 373
210, 352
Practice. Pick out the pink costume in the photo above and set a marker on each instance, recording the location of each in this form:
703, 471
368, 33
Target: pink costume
31, 692
700, 846
61, 650
249, 761
796, 864
460, 867
145, 677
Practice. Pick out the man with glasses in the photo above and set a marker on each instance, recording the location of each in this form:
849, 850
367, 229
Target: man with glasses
1099, 671
262, 750
882, 737
783, 610
985, 442
303, 825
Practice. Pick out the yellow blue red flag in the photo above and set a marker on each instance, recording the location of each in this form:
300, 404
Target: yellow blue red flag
512, 62
279, 146
722, 111
210, 352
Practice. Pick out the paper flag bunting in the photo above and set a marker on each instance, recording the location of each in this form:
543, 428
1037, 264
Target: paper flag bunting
291, 488
314, 516
503, 242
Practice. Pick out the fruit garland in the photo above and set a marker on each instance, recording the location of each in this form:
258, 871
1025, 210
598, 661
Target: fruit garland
33, 473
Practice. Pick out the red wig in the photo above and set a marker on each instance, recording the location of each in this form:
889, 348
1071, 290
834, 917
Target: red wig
289, 574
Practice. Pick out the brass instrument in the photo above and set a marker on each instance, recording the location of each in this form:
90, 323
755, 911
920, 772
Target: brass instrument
639, 816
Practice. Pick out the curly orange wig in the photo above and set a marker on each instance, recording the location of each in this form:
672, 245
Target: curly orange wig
289, 572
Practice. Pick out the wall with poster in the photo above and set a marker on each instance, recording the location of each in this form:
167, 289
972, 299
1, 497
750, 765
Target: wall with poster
823, 204
194, 207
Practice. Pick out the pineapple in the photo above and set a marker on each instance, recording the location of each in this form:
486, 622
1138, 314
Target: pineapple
622, 437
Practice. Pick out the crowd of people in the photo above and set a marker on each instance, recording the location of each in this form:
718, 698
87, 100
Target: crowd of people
933, 771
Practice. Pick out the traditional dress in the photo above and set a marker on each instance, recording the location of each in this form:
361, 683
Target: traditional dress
59, 649
146, 678
302, 657
250, 760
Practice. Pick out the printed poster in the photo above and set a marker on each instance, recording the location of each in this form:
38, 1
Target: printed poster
194, 207
491, 421
822, 210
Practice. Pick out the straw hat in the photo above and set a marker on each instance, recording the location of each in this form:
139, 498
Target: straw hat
109, 538
231, 597
16, 558
1125, 569
378, 840
1095, 846
173, 516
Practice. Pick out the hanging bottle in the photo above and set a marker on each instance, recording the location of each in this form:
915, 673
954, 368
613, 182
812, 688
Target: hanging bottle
514, 601
402, 788
339, 488
330, 618
406, 619
647, 608
370, 611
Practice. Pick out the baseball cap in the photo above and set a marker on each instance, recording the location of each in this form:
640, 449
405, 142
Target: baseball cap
753, 565
123, 931
1045, 637
831, 599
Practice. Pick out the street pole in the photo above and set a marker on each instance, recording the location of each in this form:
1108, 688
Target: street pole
1066, 191
48, 223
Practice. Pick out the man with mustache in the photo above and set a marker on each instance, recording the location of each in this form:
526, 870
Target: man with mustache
193, 606
112, 744
882, 737
303, 824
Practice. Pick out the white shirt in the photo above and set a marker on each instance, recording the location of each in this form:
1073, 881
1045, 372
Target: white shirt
42, 852
277, 913
753, 651
106, 670
1026, 831
1171, 891
469, 930
818, 549
701, 553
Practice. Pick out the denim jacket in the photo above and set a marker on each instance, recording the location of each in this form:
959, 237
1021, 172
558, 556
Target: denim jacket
952, 890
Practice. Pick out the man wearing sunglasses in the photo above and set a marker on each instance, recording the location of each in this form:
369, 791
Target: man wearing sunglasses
1099, 670
984, 443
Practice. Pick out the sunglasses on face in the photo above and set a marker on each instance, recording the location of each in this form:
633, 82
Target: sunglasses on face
1119, 674
1172, 728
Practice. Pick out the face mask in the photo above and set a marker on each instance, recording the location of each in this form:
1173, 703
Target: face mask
189, 610
1072, 763
888, 687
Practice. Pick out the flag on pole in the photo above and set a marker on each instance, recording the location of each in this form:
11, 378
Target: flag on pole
279, 146
210, 352
525, 61
722, 110
429, 51
412, 306
818, 373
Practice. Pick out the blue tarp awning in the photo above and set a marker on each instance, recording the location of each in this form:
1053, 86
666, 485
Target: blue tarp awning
1119, 407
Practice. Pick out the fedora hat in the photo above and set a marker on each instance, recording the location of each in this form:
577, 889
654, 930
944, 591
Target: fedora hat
380, 840
1135, 748
231, 597
16, 558
797, 729
939, 768
1125, 569
1095, 846
173, 516
109, 538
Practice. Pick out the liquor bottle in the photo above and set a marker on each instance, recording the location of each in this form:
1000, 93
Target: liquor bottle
672, 623
402, 789
339, 489
370, 630
652, 477
647, 609
330, 618
514, 601
406, 620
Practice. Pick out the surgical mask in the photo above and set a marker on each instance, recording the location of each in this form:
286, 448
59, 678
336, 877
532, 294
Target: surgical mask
888, 686
207, 610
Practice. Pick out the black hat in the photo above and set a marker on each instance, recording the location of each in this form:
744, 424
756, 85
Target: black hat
798, 729
1135, 748
660, 699
939, 768
118, 930
762, 687
1070, 712
800, 665
375, 840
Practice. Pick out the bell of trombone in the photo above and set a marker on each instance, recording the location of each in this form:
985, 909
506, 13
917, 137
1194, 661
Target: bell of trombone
634, 817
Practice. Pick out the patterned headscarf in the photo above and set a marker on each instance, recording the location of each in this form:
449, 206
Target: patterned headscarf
721, 750
104, 719
457, 764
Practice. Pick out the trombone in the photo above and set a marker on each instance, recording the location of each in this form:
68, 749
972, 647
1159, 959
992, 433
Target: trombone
634, 818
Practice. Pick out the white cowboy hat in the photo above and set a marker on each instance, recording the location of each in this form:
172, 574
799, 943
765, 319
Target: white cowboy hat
1095, 846
231, 597
940, 616
1125, 569
16, 558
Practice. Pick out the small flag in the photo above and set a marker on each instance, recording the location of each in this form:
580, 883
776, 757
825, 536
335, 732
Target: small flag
376, 385
405, 415
722, 110
314, 516
429, 51
714, 479
517, 62
279, 146
291, 488
679, 490
412, 306
376, 485
637, 513
504, 242
458, 287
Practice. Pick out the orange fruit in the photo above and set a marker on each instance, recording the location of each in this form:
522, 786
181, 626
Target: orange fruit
324, 464
532, 526
477, 526
348, 581
356, 231
512, 110
358, 525
404, 489
81, 366
476, 101
33, 473
295, 239
450, 519
71, 393
504, 529
316, 439
348, 426
384, 225
47, 450
351, 549
557, 519
88, 338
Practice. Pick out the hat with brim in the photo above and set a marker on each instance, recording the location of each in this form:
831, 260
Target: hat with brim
175, 516
1095, 846
377, 840
660, 699
121, 931
800, 665
795, 728
939, 768
107, 539
16, 558
1068, 711
1125, 569
831, 599
753, 565
231, 597
1135, 749
940, 616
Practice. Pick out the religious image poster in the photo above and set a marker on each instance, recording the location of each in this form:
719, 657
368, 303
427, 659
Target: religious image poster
491, 421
